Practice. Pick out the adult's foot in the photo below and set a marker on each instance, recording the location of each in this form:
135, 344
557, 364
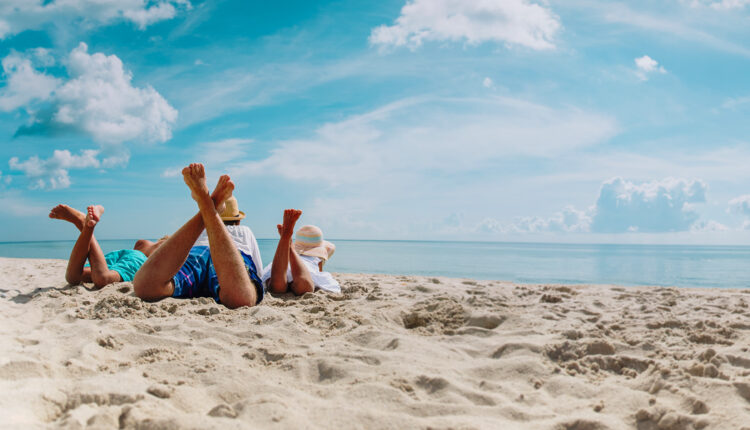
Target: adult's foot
195, 178
222, 192
290, 219
93, 215
66, 213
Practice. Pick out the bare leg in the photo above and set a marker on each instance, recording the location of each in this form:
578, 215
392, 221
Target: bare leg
100, 273
236, 287
66, 213
75, 272
301, 280
87, 247
78, 256
285, 257
154, 279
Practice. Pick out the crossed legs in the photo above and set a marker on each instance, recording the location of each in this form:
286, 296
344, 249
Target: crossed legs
86, 247
286, 257
154, 280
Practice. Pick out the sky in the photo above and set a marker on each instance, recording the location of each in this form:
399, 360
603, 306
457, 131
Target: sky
495, 120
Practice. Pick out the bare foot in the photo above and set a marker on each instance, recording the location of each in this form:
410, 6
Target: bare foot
290, 219
93, 215
195, 178
222, 192
66, 213
280, 228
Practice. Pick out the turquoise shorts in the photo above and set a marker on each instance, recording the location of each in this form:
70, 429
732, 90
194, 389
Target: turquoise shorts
125, 262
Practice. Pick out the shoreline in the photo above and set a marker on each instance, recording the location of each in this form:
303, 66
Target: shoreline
392, 351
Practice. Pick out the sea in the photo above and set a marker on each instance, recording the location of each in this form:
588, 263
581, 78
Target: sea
536, 263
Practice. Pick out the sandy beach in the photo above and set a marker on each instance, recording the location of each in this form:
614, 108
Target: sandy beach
390, 352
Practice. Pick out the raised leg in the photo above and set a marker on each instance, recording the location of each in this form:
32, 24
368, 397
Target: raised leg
236, 287
78, 255
285, 257
100, 273
66, 213
154, 279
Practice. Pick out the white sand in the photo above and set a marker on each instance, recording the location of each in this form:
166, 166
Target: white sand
391, 352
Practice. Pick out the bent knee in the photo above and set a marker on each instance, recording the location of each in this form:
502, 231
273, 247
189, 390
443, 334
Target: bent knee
303, 286
73, 280
279, 286
149, 290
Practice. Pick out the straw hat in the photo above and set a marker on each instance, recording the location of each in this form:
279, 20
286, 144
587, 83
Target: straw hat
231, 210
309, 241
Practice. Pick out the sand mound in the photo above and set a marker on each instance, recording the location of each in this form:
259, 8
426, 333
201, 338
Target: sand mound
389, 352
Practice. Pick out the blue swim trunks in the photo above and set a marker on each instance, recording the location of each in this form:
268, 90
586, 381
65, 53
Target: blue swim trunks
125, 262
197, 277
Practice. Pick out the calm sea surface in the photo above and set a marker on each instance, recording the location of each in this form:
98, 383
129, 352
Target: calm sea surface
686, 266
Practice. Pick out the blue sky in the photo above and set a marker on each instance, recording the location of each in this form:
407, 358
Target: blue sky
571, 121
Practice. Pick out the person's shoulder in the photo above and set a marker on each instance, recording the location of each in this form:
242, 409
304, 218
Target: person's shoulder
245, 229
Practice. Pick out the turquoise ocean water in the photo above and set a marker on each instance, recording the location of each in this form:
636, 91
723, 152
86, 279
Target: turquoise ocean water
667, 265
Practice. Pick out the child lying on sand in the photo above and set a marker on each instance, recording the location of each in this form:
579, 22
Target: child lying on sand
115, 266
298, 265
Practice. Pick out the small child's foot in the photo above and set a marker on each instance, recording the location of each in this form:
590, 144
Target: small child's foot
290, 219
93, 215
66, 213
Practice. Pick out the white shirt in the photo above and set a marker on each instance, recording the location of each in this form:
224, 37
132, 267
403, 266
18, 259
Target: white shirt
245, 241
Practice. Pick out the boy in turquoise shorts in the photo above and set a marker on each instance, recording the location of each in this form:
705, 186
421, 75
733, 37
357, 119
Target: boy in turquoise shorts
115, 266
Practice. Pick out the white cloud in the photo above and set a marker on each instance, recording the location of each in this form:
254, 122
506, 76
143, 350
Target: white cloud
668, 24
215, 154
733, 103
513, 22
569, 220
415, 136
659, 206
656, 206
52, 173
219, 152
708, 226
487, 83
98, 100
646, 65
171, 173
740, 205
17, 16
720, 4
23, 83
491, 226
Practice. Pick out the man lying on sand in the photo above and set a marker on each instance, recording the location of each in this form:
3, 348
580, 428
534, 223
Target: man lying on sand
115, 266
298, 265
221, 270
